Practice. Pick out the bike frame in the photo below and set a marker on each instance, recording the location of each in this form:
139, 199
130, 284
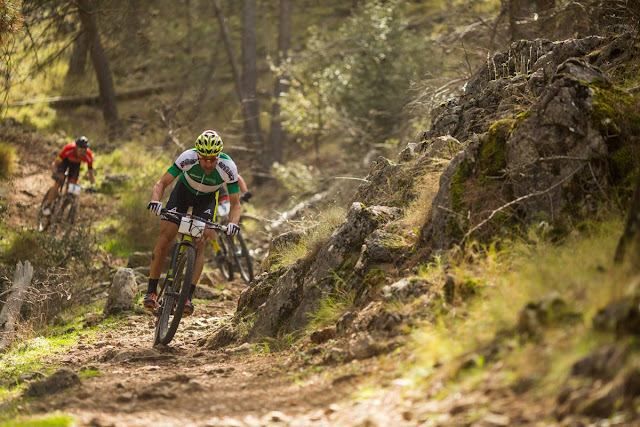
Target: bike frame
178, 249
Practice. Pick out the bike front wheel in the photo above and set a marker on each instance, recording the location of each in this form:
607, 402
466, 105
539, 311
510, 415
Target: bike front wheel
45, 220
64, 215
174, 294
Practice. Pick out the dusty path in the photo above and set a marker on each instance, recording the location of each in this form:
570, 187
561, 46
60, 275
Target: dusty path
182, 384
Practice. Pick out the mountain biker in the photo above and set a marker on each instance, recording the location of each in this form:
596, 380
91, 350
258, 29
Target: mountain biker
72, 155
223, 197
201, 172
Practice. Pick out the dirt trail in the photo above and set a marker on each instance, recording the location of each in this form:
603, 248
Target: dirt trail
182, 384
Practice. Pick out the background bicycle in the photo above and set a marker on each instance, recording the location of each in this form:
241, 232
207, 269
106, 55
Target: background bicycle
230, 252
174, 289
63, 208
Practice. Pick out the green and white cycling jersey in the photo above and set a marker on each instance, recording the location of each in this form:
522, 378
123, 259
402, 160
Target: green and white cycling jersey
192, 175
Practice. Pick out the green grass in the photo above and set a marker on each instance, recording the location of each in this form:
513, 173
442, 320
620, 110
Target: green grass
580, 271
89, 373
332, 306
28, 356
32, 354
57, 420
315, 236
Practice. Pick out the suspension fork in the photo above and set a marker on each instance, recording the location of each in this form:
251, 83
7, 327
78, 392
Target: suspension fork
178, 248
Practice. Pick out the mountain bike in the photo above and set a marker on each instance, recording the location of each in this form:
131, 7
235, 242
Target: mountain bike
174, 290
63, 208
231, 253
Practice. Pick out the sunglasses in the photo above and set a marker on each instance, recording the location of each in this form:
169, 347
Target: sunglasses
209, 159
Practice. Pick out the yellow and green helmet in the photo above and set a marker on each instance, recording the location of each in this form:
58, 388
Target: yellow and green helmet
209, 143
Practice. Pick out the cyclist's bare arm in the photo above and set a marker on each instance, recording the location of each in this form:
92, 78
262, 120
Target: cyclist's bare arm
242, 184
91, 177
235, 210
160, 186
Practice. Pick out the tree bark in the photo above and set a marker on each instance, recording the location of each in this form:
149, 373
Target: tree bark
237, 77
250, 81
101, 67
224, 33
11, 310
631, 235
78, 59
284, 42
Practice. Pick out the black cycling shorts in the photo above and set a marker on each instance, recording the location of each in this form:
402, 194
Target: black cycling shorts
74, 169
204, 205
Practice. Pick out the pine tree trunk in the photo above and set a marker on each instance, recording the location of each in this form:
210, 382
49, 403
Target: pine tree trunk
78, 60
250, 76
101, 67
284, 42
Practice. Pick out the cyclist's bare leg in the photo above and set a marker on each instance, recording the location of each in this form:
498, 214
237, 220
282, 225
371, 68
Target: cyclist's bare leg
168, 231
208, 234
53, 192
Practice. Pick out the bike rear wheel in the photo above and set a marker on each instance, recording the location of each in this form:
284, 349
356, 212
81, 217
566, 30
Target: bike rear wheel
222, 258
174, 294
241, 257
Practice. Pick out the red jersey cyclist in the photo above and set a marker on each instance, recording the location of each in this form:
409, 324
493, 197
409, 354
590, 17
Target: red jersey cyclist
72, 155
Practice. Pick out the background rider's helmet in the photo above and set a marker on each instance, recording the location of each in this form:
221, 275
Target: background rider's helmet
82, 142
209, 143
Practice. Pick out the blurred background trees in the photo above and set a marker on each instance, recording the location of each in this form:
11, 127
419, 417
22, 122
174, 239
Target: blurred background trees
284, 81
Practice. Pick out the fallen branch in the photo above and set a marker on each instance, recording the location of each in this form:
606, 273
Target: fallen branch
11, 310
295, 211
76, 100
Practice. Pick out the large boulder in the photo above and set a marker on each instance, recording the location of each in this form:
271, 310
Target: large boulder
122, 294
298, 292
554, 161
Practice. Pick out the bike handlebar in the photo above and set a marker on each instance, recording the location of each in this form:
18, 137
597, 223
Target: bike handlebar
176, 217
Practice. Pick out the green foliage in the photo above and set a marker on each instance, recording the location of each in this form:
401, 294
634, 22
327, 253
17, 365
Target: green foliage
367, 90
493, 149
295, 177
7, 159
10, 17
511, 275
614, 111
89, 373
133, 228
77, 245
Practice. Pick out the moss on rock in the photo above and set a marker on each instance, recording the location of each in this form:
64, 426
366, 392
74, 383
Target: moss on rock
493, 149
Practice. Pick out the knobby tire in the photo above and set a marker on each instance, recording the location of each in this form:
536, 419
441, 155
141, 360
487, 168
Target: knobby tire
241, 257
65, 215
223, 262
168, 320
